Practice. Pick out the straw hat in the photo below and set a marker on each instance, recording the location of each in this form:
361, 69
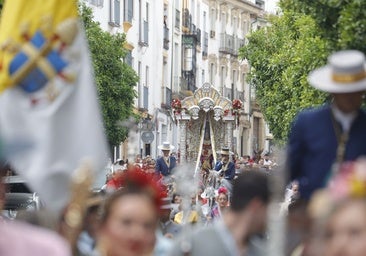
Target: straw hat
344, 73
225, 151
166, 146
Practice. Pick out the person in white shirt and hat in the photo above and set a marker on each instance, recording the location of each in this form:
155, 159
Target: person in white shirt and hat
165, 164
334, 133
226, 168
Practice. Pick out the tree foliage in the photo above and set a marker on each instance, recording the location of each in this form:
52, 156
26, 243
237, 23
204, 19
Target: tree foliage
115, 79
298, 41
1, 5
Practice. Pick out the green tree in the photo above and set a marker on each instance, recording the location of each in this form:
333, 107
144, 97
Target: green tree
115, 79
341, 22
298, 41
1, 5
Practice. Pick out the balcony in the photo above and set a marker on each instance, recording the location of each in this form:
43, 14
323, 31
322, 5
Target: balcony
226, 43
166, 38
238, 43
230, 44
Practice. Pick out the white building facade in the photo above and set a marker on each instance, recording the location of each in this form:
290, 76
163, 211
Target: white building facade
177, 45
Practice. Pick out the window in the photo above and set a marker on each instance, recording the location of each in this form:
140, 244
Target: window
139, 89
177, 18
98, 3
147, 76
245, 28
164, 132
223, 22
114, 13
212, 73
144, 27
198, 17
234, 78
128, 10
117, 9
177, 14
234, 26
213, 19
147, 12
233, 86
128, 58
222, 77
204, 22
146, 97
260, 3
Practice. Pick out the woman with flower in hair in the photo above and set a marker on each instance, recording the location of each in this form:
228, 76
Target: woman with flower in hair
339, 213
345, 231
130, 216
221, 205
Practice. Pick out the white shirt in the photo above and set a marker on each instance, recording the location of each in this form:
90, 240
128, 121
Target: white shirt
345, 119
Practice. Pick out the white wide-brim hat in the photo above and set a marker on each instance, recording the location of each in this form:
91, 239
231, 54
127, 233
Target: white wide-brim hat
344, 73
166, 146
225, 151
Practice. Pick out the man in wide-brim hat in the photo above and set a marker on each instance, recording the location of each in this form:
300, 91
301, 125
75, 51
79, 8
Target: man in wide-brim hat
226, 167
332, 133
166, 163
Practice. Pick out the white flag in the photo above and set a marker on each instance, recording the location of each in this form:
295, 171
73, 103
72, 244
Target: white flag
52, 101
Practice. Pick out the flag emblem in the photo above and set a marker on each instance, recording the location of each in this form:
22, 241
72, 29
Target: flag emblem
38, 60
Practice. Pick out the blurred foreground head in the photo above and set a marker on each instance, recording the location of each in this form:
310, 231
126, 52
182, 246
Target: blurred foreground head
250, 198
130, 216
250, 186
339, 212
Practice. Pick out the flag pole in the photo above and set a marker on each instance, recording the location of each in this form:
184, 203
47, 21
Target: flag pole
72, 221
201, 145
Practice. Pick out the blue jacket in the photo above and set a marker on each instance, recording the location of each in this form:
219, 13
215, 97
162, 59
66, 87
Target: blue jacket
313, 144
162, 168
230, 171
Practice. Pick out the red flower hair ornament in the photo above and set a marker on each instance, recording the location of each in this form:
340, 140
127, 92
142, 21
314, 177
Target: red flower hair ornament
222, 190
136, 179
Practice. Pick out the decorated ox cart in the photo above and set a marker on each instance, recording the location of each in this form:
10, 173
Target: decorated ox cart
206, 122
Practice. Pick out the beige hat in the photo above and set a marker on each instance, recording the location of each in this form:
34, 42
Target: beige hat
344, 73
166, 146
225, 151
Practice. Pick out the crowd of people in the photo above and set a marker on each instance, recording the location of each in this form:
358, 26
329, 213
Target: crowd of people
142, 210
